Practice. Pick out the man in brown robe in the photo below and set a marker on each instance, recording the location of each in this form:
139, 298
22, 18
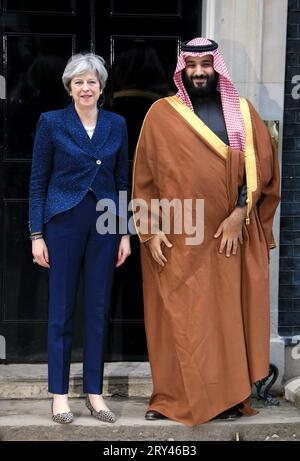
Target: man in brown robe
206, 305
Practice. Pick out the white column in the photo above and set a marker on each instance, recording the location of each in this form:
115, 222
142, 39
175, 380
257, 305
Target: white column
252, 38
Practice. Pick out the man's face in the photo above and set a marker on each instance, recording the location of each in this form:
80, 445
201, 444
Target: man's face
200, 76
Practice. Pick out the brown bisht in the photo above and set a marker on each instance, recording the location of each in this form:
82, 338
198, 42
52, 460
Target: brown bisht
206, 315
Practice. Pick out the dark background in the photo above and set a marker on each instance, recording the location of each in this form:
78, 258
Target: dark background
140, 42
289, 290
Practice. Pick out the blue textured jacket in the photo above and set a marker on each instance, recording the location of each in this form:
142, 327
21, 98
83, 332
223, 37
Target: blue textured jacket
66, 163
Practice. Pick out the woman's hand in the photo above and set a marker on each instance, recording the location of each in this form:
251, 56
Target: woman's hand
231, 228
124, 250
154, 246
40, 252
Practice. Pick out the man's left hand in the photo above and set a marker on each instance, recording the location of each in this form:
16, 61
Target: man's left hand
231, 231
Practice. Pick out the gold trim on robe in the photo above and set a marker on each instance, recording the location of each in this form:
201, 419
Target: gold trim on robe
250, 161
193, 303
218, 145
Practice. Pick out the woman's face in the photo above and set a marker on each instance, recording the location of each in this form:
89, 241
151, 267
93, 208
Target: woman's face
85, 89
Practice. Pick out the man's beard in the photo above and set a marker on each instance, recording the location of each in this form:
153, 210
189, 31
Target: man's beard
209, 88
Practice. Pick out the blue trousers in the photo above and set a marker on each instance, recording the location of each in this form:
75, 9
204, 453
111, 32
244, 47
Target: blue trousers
73, 242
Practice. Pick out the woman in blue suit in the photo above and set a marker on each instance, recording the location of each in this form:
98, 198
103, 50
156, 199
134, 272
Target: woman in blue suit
79, 157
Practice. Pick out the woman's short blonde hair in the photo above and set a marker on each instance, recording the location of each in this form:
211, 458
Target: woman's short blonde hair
81, 63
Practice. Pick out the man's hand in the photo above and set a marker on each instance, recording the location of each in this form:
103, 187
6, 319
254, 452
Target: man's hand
154, 245
231, 231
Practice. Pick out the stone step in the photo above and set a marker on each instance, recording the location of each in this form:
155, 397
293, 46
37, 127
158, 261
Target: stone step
29, 381
30, 420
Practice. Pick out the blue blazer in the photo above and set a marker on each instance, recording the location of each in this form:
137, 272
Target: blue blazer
66, 163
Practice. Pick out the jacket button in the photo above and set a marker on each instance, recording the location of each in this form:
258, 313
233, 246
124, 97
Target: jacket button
98, 162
